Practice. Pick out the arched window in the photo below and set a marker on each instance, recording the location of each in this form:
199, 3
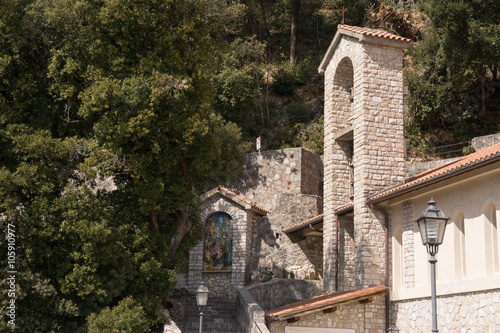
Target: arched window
459, 248
397, 253
218, 243
491, 239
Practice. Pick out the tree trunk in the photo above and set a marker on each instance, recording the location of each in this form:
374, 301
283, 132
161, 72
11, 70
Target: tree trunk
182, 228
483, 92
153, 220
294, 30
183, 224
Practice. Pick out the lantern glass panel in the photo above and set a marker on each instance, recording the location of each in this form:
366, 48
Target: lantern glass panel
201, 295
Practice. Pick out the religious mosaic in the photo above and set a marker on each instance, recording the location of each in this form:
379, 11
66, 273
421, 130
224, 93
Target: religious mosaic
218, 249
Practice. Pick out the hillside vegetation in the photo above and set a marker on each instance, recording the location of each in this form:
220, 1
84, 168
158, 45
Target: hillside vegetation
116, 115
451, 71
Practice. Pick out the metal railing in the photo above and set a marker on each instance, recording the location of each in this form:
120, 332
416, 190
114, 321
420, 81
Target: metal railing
439, 152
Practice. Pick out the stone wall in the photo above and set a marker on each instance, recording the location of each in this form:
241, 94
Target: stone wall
268, 175
362, 318
415, 168
471, 312
341, 80
482, 142
286, 182
364, 97
346, 254
312, 247
279, 292
222, 283
249, 314
408, 245
311, 173
275, 256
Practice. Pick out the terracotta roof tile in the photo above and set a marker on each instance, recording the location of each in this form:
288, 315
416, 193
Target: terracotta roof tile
344, 208
453, 168
254, 205
304, 224
374, 33
323, 301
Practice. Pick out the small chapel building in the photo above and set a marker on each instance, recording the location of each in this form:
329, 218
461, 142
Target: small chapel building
329, 244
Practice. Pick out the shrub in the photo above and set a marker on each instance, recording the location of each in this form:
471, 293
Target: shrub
288, 77
126, 317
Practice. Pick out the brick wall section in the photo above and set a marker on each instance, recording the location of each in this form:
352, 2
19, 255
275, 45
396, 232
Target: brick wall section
379, 151
471, 312
363, 318
312, 247
408, 245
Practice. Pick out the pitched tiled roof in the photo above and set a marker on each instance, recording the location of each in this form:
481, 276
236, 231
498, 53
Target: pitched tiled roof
454, 168
253, 204
322, 302
344, 208
364, 35
304, 224
374, 33
227, 192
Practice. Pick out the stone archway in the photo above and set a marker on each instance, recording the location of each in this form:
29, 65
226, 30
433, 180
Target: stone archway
364, 142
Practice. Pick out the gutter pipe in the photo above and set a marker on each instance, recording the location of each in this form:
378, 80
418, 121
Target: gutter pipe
337, 254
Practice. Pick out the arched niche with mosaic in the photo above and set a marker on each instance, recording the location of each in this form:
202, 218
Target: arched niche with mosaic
218, 243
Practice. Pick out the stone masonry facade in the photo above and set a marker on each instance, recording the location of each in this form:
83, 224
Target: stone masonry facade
361, 317
222, 283
471, 312
408, 245
363, 91
286, 182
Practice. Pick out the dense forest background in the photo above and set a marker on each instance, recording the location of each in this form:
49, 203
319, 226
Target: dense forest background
117, 114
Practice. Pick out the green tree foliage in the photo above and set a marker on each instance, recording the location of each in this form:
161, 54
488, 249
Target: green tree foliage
453, 73
126, 317
108, 91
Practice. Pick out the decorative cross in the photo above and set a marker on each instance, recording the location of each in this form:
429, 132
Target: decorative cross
343, 11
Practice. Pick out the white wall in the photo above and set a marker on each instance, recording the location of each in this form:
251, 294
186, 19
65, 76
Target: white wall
466, 261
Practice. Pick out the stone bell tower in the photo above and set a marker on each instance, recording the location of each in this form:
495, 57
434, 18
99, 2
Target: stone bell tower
364, 147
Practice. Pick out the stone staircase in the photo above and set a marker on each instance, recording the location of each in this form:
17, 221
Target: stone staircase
218, 316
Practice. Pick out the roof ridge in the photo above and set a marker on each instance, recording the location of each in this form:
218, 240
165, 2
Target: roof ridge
374, 32
251, 203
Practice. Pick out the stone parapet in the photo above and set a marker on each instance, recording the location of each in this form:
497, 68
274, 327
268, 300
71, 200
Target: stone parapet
486, 141
249, 314
279, 292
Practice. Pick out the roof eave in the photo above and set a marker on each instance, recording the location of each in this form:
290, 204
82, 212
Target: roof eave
247, 206
321, 307
431, 181
362, 39
302, 226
